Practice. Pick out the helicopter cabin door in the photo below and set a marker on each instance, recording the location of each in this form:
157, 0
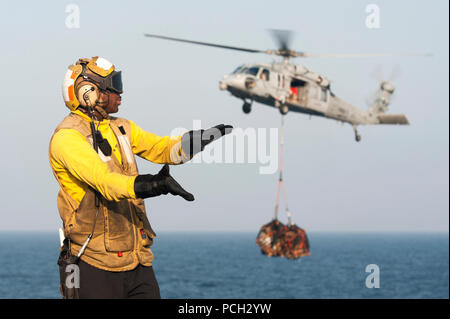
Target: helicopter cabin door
282, 86
273, 84
298, 92
318, 98
269, 82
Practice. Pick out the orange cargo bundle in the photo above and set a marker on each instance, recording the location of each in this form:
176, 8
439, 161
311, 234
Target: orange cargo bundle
278, 240
295, 243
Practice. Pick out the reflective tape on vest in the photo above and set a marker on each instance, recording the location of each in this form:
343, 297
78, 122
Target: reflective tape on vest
125, 145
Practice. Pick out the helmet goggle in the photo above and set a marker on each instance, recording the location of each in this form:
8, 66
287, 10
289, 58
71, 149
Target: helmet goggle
112, 82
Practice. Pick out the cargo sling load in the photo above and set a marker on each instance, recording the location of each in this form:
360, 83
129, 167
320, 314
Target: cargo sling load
277, 239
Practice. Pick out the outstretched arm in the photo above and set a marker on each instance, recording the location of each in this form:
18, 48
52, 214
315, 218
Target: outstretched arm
173, 149
154, 148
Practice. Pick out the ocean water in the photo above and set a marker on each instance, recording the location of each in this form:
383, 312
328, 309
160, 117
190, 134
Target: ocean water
230, 265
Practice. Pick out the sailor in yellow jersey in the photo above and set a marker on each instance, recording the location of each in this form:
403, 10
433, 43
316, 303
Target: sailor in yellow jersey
101, 199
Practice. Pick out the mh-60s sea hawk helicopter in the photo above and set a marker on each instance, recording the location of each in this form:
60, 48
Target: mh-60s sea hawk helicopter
291, 87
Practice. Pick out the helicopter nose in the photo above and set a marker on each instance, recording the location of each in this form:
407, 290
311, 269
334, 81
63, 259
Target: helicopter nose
222, 85
231, 81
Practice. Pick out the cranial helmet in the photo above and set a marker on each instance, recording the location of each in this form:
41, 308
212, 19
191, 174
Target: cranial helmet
84, 80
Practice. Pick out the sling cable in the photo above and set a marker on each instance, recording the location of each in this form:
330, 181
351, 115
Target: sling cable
275, 238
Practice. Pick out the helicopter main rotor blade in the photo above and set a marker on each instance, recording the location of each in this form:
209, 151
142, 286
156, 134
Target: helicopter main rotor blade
206, 44
359, 55
283, 38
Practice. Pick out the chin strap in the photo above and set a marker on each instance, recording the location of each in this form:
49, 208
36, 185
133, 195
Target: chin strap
102, 112
99, 107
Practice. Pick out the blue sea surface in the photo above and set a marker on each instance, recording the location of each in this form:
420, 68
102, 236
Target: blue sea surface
230, 265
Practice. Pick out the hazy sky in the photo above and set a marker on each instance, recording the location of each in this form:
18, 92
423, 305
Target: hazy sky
395, 179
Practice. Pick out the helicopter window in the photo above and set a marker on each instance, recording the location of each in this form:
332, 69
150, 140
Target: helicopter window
280, 80
323, 95
243, 70
238, 69
253, 71
264, 75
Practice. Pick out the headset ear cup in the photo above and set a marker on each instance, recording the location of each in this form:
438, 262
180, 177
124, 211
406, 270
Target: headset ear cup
87, 94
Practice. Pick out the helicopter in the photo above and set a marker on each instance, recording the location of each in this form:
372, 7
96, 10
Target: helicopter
294, 88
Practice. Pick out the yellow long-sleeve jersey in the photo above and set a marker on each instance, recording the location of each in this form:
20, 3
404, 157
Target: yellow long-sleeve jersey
77, 165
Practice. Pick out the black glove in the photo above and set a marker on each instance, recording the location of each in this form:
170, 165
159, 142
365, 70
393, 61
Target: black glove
193, 142
162, 183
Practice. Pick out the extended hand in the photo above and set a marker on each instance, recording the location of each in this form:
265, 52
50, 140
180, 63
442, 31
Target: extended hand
160, 184
193, 142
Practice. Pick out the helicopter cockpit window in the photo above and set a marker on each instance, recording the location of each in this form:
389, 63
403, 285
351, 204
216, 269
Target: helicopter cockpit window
243, 70
253, 71
264, 75
238, 69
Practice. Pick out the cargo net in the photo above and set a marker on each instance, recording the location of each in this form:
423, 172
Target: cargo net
278, 240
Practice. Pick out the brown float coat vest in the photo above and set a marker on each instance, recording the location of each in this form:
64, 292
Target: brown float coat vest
122, 235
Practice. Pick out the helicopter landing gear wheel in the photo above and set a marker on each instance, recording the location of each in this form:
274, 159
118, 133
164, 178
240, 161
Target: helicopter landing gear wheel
246, 108
284, 109
357, 136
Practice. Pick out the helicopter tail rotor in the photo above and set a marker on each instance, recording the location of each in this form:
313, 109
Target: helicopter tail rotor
386, 85
377, 73
395, 73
